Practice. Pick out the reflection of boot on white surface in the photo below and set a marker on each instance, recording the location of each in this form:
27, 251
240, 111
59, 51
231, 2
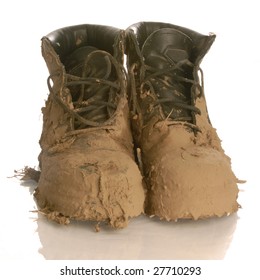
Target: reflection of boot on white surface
142, 239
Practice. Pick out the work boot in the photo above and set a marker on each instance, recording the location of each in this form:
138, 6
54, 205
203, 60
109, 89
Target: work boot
88, 168
187, 172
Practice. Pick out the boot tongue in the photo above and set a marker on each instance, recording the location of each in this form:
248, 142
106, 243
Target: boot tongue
162, 50
89, 62
166, 47
96, 67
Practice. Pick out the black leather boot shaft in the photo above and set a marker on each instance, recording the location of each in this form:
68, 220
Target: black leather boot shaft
68, 39
201, 43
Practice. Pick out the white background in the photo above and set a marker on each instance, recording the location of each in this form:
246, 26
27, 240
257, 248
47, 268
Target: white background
231, 74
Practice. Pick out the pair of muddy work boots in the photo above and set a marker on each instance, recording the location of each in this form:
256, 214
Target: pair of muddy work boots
119, 142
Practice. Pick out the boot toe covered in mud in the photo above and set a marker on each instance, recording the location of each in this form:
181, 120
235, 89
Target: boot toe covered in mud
188, 174
88, 170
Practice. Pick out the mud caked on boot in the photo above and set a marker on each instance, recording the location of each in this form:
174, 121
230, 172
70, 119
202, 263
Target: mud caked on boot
187, 172
88, 171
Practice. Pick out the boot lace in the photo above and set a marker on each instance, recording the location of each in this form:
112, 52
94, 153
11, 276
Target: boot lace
91, 100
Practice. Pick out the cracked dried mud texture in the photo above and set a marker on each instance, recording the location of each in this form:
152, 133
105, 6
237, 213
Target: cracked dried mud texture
193, 178
87, 174
91, 181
